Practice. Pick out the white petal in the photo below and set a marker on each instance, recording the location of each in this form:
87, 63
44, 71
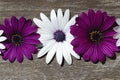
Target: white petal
59, 53
65, 18
41, 25
46, 21
1, 32
2, 46
71, 22
38, 22
118, 42
51, 53
66, 54
60, 17
116, 36
53, 18
117, 29
118, 21
46, 48
45, 37
2, 38
70, 49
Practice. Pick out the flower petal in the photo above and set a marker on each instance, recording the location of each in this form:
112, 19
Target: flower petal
13, 54
88, 53
70, 23
60, 17
19, 55
14, 23
2, 46
118, 42
51, 53
54, 19
65, 18
46, 48
108, 23
1, 32
21, 22
2, 38
66, 54
46, 21
70, 50
59, 54
118, 21
94, 57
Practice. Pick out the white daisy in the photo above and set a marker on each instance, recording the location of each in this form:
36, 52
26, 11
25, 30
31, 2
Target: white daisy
56, 37
2, 38
117, 35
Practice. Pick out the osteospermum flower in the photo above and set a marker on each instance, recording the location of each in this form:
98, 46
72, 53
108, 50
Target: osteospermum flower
21, 39
55, 36
117, 35
93, 34
2, 38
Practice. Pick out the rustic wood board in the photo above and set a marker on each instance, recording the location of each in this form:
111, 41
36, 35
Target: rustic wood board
37, 69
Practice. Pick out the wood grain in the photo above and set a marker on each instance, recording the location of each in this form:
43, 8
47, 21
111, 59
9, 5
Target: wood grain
37, 69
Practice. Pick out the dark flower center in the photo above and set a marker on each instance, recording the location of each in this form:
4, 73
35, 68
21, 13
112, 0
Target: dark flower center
95, 36
59, 36
16, 39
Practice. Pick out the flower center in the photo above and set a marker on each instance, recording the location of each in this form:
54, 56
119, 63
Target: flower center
95, 36
59, 36
16, 39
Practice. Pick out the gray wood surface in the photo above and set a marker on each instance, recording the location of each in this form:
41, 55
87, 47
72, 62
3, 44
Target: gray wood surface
37, 69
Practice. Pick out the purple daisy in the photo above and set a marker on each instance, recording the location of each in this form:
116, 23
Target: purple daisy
93, 36
21, 39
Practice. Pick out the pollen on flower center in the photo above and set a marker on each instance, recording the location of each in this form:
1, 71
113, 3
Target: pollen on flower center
95, 36
59, 36
16, 39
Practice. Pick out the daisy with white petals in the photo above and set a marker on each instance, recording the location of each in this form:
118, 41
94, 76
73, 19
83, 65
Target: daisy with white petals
56, 37
117, 29
2, 38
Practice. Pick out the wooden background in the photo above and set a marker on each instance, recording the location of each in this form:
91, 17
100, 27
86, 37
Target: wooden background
37, 69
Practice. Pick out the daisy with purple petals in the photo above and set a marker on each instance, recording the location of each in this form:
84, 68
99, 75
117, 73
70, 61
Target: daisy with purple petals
21, 39
56, 37
93, 34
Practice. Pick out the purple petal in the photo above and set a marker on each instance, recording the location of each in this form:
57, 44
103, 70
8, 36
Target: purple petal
13, 54
28, 23
85, 18
21, 23
105, 15
7, 53
106, 50
91, 15
75, 42
26, 51
109, 33
88, 53
98, 19
29, 30
14, 23
94, 57
31, 41
19, 56
76, 31
31, 48
110, 39
82, 48
80, 23
108, 23
101, 55
33, 36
